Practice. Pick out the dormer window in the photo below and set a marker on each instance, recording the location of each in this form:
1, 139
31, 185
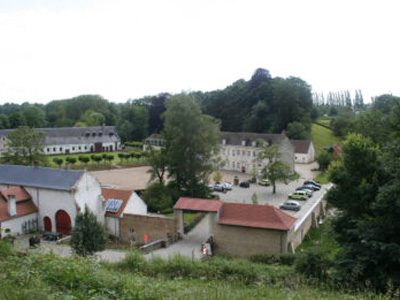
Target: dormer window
243, 143
100, 133
253, 143
223, 142
94, 134
111, 134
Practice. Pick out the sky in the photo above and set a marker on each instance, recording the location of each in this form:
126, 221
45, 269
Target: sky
124, 49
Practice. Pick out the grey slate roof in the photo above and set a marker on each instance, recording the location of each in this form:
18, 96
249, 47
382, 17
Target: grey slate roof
236, 138
75, 135
301, 146
48, 178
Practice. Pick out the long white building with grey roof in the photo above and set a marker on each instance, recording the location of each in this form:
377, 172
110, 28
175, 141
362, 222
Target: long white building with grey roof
68, 140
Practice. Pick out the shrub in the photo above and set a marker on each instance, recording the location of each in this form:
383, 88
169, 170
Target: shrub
6, 249
84, 159
58, 161
313, 263
88, 236
158, 197
71, 160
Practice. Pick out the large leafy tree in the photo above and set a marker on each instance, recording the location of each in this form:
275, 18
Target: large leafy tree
366, 192
191, 142
25, 146
275, 170
88, 235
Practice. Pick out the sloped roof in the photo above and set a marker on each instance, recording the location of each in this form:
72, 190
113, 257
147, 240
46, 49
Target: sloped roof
75, 135
198, 204
301, 146
123, 195
48, 178
257, 216
24, 206
19, 192
236, 138
154, 136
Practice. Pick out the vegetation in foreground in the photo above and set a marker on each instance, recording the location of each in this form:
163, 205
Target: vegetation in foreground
50, 277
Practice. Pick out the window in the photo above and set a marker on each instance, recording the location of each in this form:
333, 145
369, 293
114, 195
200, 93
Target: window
48, 149
238, 152
248, 153
253, 144
54, 149
243, 152
85, 147
233, 152
243, 143
61, 149
94, 134
254, 153
223, 142
79, 148
73, 148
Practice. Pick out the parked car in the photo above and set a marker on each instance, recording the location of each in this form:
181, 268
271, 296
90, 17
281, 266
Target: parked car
290, 205
313, 182
306, 189
219, 187
298, 195
244, 184
312, 187
264, 182
227, 186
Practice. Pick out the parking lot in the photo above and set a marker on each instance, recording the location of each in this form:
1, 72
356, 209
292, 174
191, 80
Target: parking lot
265, 195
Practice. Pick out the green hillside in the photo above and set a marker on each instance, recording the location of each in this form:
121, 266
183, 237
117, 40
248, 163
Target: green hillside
322, 136
37, 276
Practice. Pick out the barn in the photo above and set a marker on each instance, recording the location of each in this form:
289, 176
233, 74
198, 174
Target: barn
58, 194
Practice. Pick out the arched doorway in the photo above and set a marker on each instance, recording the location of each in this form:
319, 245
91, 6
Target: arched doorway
47, 224
63, 222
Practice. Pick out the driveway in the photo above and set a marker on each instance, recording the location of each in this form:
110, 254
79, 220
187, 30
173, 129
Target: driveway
189, 246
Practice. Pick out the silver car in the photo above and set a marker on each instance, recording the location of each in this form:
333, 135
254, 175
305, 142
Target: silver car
290, 205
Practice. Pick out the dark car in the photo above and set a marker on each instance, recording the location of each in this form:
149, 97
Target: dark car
311, 187
244, 184
313, 182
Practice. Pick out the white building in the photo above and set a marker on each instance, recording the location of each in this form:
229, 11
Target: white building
239, 150
304, 152
68, 140
120, 202
58, 194
155, 141
18, 213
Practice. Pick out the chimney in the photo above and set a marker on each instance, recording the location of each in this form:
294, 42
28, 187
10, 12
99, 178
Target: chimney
12, 205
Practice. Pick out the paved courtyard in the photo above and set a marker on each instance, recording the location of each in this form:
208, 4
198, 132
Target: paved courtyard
265, 195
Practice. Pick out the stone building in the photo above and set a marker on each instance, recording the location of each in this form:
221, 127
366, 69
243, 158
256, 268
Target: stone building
68, 140
304, 151
248, 229
239, 151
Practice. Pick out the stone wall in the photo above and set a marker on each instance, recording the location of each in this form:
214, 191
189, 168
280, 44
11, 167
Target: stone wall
134, 227
246, 241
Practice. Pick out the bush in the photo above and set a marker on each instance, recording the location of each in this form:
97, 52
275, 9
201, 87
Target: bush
313, 263
6, 249
71, 160
84, 159
158, 197
88, 236
58, 161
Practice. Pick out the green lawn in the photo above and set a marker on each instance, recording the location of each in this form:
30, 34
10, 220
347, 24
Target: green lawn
321, 137
324, 121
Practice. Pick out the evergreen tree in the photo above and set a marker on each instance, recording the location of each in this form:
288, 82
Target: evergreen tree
88, 236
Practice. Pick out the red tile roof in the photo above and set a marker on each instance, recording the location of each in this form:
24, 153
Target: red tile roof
19, 192
258, 216
25, 205
123, 195
198, 204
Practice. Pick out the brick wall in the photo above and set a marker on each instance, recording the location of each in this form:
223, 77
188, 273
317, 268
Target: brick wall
246, 241
156, 227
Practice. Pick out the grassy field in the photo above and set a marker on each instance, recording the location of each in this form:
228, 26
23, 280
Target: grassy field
321, 137
39, 276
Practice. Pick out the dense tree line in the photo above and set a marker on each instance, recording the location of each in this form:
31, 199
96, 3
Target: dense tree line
261, 104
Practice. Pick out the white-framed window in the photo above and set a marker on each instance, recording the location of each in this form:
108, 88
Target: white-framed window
243, 143
223, 142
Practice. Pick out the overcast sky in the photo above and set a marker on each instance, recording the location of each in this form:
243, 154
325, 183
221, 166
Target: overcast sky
128, 49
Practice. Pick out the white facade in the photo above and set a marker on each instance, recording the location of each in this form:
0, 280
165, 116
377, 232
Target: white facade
241, 159
86, 191
135, 205
78, 148
305, 158
14, 226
